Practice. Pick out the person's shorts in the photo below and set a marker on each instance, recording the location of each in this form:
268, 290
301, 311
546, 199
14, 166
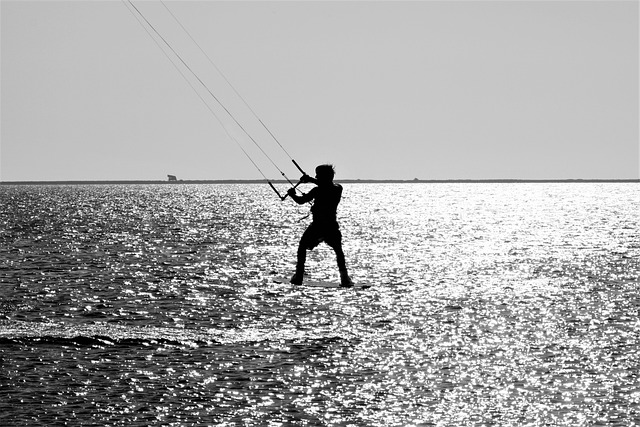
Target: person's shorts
317, 233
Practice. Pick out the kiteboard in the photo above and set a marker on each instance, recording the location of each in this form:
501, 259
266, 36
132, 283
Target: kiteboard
315, 283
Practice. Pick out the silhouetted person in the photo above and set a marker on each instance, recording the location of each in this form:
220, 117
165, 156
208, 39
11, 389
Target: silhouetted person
324, 227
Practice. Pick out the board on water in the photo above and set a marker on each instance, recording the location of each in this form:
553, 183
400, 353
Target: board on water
322, 283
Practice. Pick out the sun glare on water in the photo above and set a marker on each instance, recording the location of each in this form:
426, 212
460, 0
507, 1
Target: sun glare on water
490, 304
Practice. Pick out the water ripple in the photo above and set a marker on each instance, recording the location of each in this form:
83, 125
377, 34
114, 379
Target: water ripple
505, 304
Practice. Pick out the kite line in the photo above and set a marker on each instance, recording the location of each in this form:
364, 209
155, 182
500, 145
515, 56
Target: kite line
150, 29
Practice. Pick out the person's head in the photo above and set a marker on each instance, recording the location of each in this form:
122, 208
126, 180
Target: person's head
325, 173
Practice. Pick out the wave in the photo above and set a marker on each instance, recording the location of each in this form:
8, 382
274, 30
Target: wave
105, 335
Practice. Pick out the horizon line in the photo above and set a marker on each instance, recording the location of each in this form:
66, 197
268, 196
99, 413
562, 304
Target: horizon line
346, 181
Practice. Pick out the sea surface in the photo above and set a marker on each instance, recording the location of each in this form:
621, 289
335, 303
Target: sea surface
490, 305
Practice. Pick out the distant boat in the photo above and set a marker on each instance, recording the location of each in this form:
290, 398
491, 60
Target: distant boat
172, 177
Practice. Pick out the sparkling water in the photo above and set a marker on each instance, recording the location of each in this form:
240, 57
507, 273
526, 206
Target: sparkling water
491, 304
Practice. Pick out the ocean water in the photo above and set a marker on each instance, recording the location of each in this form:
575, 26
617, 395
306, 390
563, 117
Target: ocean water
491, 304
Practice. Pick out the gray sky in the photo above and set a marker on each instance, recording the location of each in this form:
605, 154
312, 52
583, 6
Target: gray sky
426, 89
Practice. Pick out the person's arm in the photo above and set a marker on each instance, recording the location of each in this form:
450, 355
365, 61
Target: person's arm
306, 178
301, 199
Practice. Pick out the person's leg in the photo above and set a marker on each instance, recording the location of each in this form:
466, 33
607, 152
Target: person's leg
335, 241
306, 242
342, 264
345, 280
302, 256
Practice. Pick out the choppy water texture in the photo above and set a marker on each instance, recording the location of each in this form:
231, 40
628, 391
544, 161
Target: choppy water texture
492, 304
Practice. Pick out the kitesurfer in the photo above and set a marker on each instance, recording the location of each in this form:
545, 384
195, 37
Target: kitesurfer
324, 227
